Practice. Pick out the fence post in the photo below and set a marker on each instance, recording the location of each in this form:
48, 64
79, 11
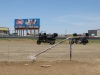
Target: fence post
70, 48
8, 49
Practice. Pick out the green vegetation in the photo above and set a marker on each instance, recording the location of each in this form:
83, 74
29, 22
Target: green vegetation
58, 40
16, 39
90, 41
94, 41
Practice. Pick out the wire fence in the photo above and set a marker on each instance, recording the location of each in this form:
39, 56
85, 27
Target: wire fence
19, 49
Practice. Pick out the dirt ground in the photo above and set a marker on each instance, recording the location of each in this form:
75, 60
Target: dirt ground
56, 61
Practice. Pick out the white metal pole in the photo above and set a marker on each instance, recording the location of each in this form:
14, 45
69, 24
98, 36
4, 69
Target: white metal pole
70, 48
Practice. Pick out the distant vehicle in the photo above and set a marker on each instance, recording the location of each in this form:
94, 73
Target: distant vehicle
14, 34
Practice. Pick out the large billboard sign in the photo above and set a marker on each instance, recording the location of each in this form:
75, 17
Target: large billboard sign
27, 23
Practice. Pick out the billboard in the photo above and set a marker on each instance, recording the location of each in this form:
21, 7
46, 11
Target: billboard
27, 23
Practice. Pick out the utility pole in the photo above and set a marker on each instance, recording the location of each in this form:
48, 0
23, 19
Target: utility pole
65, 32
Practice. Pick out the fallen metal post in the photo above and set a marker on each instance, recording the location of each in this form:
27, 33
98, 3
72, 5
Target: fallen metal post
34, 56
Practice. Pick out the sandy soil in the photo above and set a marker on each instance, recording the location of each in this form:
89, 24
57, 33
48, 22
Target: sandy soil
14, 61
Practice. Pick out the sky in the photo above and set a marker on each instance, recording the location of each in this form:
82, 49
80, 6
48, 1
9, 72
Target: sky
56, 16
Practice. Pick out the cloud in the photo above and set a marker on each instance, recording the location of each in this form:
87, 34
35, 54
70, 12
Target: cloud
80, 19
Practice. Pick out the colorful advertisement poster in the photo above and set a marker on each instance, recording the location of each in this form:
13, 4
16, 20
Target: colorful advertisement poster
27, 23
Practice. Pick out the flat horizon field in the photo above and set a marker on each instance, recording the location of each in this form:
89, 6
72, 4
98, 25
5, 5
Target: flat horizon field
14, 61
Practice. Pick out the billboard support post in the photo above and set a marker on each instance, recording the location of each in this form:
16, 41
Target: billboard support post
27, 25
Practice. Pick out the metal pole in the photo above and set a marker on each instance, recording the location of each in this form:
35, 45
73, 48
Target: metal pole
8, 50
70, 48
66, 32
